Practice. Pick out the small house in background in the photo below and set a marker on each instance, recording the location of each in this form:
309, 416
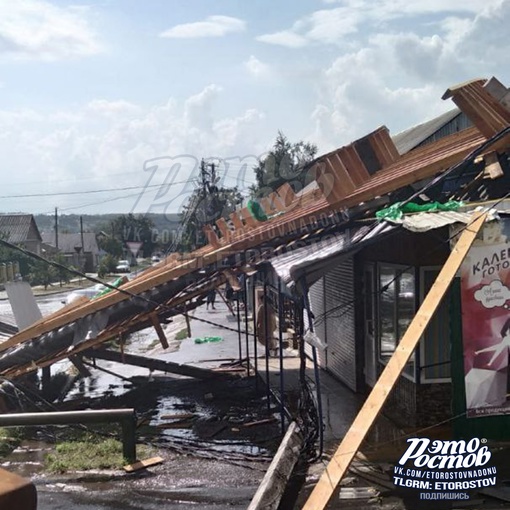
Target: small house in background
80, 250
21, 229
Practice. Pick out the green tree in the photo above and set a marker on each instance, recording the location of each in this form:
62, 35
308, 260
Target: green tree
110, 245
62, 274
42, 273
131, 228
107, 265
285, 162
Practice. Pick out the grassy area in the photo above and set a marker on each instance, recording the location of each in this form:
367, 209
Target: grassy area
90, 454
182, 334
10, 438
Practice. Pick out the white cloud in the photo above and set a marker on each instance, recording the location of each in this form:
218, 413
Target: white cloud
212, 26
39, 30
88, 149
337, 25
397, 78
112, 108
285, 38
257, 68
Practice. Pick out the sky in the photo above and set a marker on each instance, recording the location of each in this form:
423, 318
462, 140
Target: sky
110, 105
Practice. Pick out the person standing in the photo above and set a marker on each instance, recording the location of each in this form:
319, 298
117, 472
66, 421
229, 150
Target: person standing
211, 298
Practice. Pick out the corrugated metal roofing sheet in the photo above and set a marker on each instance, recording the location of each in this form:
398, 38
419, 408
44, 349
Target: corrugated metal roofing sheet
314, 260
414, 136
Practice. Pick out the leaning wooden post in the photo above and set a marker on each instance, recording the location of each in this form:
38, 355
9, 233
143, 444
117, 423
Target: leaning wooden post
338, 465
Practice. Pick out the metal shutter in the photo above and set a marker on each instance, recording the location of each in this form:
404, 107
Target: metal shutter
317, 304
340, 325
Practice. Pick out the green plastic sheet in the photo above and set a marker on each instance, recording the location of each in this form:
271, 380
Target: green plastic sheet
398, 209
208, 339
256, 210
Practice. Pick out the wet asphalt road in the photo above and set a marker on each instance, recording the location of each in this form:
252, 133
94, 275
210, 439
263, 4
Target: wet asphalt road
182, 482
205, 499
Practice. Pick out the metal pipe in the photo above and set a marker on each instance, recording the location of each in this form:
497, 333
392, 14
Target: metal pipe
239, 338
280, 349
125, 416
247, 335
265, 300
315, 369
255, 353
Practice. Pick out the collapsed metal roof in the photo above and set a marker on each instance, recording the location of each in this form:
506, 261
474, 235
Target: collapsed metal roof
349, 180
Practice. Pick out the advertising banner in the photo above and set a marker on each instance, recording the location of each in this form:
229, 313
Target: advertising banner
485, 282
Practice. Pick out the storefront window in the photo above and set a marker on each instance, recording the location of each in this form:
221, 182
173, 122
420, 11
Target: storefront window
396, 309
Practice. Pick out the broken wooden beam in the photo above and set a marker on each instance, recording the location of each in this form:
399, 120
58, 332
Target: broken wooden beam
159, 330
338, 465
142, 464
79, 365
153, 364
272, 487
16, 492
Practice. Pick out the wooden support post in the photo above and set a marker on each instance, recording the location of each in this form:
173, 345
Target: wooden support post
338, 465
493, 169
236, 220
272, 487
46, 379
266, 205
223, 227
159, 330
153, 364
212, 238
78, 363
188, 322
276, 201
248, 218
286, 193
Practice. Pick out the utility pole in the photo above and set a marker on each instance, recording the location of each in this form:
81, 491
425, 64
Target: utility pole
56, 228
82, 245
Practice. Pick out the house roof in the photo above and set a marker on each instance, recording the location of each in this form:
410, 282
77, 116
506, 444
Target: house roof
410, 138
67, 242
19, 228
348, 178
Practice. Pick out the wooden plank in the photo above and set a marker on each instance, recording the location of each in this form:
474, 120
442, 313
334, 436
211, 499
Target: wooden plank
272, 487
266, 205
159, 330
154, 364
212, 238
286, 193
493, 169
223, 226
232, 279
248, 218
236, 220
142, 464
188, 323
276, 201
338, 465
16, 492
